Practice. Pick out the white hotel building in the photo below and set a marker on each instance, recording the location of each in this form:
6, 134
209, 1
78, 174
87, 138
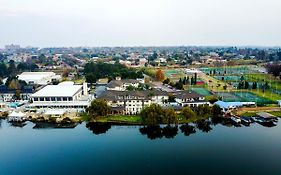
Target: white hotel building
65, 95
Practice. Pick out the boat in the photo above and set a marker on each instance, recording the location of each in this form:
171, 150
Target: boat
235, 119
246, 121
265, 122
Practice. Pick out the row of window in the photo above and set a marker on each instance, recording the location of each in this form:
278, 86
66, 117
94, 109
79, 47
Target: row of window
52, 99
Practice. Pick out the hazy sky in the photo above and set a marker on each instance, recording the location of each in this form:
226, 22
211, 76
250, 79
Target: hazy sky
140, 22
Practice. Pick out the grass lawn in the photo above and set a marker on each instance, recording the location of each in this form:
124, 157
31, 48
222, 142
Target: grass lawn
128, 119
79, 80
125, 118
267, 94
273, 82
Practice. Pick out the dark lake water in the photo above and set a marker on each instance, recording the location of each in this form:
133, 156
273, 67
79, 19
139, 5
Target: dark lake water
211, 149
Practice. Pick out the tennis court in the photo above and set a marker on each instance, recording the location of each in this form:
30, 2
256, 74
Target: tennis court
202, 91
243, 97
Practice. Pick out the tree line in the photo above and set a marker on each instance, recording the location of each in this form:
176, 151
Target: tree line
95, 71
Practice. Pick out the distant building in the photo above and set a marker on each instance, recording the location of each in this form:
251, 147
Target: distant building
8, 95
121, 85
12, 47
40, 78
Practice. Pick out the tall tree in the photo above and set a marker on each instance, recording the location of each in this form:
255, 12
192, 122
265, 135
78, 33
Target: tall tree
160, 75
98, 108
152, 115
187, 112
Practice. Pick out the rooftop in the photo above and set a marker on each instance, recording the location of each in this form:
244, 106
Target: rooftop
58, 91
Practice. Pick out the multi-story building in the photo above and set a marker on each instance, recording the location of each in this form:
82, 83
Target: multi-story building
132, 102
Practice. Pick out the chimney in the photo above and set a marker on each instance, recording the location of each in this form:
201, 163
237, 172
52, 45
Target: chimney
85, 88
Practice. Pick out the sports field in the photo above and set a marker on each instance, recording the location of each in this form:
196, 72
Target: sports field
243, 97
202, 91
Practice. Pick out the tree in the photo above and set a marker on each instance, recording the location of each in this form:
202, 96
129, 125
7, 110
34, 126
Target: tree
91, 78
246, 86
166, 81
98, 108
187, 112
3, 70
65, 73
169, 116
195, 78
172, 98
159, 75
274, 69
192, 81
254, 86
203, 110
130, 88
152, 115
216, 110
12, 67
179, 86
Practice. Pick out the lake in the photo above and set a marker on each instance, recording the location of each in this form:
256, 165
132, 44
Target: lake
104, 149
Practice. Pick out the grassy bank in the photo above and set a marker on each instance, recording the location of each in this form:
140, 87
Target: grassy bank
134, 119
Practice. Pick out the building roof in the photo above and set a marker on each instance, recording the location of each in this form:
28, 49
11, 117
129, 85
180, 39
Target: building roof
130, 95
117, 83
227, 105
58, 91
16, 114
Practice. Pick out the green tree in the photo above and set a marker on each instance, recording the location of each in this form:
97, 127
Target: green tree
98, 108
216, 110
12, 68
152, 115
169, 116
254, 86
187, 112
203, 110
130, 88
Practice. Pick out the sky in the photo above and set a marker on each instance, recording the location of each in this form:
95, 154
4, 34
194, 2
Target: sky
57, 23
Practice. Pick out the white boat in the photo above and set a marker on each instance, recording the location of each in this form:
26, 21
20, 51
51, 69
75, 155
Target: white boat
235, 119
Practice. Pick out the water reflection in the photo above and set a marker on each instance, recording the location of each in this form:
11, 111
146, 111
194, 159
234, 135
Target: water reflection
204, 125
46, 125
154, 132
187, 129
98, 128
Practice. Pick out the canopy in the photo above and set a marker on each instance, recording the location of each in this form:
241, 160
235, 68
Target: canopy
17, 114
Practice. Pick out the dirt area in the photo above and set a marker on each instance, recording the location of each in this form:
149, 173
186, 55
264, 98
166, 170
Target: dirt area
258, 109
